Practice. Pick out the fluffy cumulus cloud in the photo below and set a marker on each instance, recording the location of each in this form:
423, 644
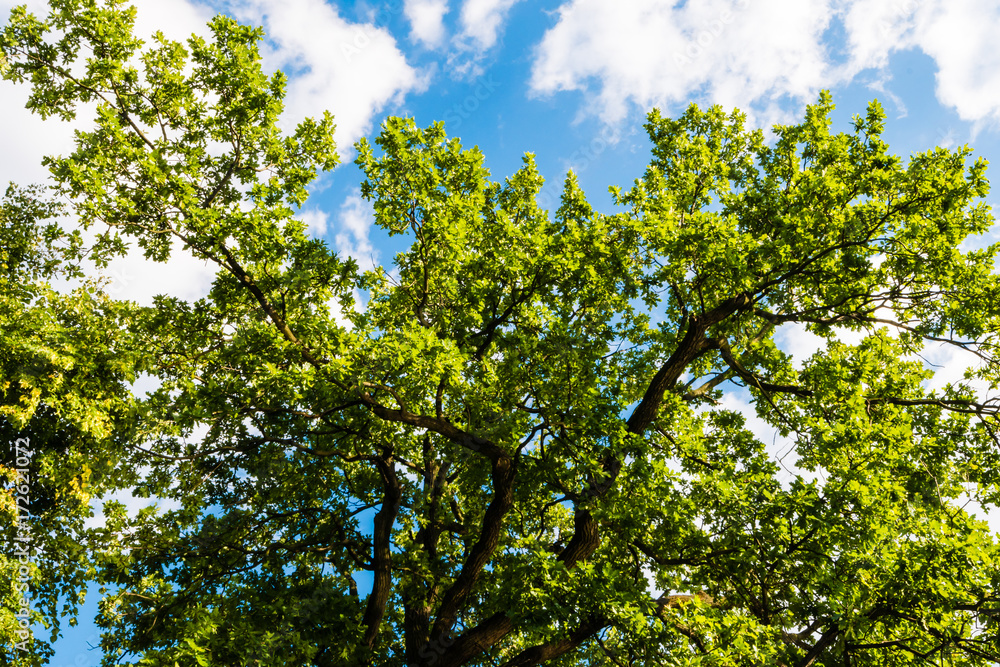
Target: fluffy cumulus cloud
874, 28
761, 54
176, 19
479, 26
482, 21
27, 138
426, 19
961, 36
652, 52
134, 278
352, 70
316, 222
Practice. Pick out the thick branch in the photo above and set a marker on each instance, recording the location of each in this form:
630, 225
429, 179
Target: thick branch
693, 345
382, 554
536, 655
825, 640
503, 474
751, 379
586, 538
586, 535
443, 427
240, 274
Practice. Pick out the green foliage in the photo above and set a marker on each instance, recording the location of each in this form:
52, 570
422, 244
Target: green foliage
64, 411
532, 410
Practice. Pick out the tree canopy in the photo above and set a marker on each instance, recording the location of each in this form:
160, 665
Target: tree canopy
516, 437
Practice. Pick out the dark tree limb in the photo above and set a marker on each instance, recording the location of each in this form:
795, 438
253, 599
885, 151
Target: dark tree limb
452, 601
382, 554
536, 655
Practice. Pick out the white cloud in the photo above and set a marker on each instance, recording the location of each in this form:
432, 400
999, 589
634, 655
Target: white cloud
949, 364
337, 313
316, 222
482, 20
133, 505
961, 36
132, 277
874, 28
426, 20
652, 53
800, 344
135, 278
176, 19
352, 70
761, 54
27, 138
145, 384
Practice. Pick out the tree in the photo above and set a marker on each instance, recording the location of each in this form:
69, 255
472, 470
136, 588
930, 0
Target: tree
530, 407
64, 408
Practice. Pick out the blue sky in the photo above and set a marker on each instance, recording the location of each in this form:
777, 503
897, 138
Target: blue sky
571, 82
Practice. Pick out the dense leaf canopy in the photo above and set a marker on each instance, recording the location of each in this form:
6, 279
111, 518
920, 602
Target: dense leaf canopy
525, 436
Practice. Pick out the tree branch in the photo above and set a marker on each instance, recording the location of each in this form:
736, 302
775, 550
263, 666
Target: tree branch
382, 554
536, 655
